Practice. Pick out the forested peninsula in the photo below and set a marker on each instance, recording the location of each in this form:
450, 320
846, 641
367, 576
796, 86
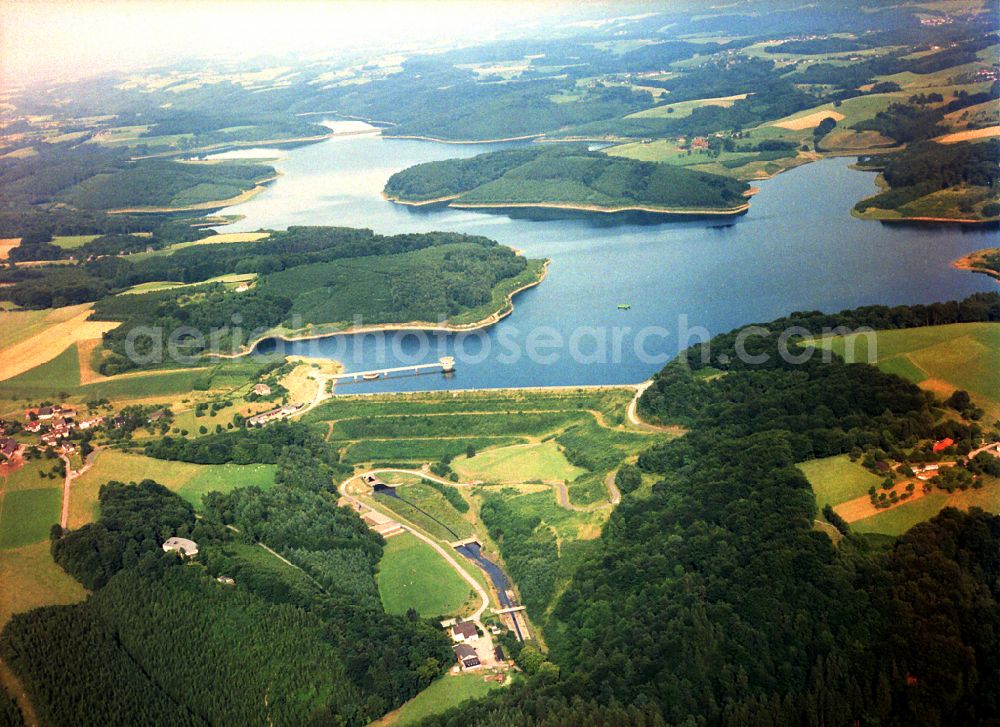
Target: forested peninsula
567, 178
303, 282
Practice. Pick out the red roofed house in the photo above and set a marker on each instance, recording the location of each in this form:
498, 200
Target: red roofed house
943, 444
32, 425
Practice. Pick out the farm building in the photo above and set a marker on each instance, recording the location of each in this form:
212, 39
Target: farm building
91, 423
187, 548
464, 631
943, 444
467, 656
9, 448
269, 416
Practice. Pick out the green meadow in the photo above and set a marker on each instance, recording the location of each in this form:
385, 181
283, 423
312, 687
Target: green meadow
413, 575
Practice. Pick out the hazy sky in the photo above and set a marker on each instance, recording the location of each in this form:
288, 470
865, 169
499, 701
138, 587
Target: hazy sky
45, 39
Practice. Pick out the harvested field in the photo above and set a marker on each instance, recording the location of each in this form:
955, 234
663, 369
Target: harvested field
7, 244
970, 135
52, 339
810, 121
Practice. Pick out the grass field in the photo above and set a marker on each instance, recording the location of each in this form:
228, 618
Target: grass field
900, 519
838, 479
190, 481
543, 461
411, 574
28, 515
71, 242
447, 692
31, 579
151, 287
44, 337
682, 109
939, 358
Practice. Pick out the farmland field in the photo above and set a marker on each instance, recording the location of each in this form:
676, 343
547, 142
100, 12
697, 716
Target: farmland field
940, 358
31, 578
412, 575
28, 515
190, 481
837, 479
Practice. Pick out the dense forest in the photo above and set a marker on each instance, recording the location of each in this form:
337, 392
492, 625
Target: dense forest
927, 167
712, 600
315, 641
571, 176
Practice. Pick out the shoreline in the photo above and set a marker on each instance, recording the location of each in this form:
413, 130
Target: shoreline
419, 137
693, 212
972, 263
418, 203
200, 206
425, 326
223, 146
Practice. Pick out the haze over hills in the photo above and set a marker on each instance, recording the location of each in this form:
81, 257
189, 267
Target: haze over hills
500, 364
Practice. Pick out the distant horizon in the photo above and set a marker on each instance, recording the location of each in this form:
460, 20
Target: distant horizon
68, 41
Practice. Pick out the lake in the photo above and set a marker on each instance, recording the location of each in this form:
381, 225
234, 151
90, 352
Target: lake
797, 249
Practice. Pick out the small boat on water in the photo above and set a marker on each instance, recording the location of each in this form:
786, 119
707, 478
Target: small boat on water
369, 377
624, 306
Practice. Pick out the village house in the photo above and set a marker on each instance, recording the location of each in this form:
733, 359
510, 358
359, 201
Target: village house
66, 449
32, 425
465, 631
262, 390
242, 287
45, 413
91, 422
271, 415
467, 656
9, 448
183, 546
157, 415
118, 422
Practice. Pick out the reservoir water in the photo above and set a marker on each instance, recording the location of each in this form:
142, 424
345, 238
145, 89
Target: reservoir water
797, 249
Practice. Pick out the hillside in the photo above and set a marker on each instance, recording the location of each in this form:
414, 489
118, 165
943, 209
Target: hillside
936, 181
566, 177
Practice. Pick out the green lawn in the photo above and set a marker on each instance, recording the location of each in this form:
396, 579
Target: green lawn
411, 574
28, 515
544, 461
447, 692
838, 479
